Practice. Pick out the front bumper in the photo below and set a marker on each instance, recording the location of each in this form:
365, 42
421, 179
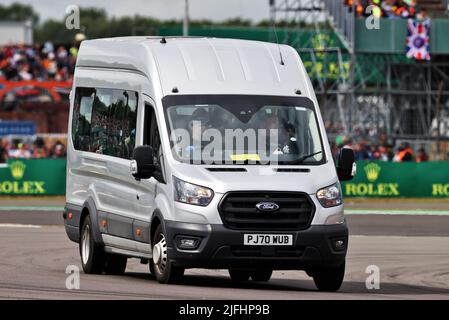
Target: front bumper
221, 247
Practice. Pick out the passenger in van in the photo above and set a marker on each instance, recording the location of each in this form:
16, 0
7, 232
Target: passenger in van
129, 144
287, 139
287, 142
199, 121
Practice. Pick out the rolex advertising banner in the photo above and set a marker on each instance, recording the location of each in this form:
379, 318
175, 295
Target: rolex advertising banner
404, 179
373, 179
33, 177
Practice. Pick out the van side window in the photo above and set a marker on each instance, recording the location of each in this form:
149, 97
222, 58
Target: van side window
152, 137
101, 134
129, 124
82, 118
112, 119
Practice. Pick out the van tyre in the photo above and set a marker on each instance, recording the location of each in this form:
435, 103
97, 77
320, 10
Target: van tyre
115, 264
161, 265
93, 257
239, 275
262, 275
329, 279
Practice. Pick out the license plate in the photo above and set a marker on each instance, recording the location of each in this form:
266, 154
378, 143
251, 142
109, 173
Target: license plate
268, 240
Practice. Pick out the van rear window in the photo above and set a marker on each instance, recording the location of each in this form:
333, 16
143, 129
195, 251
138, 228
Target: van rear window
104, 121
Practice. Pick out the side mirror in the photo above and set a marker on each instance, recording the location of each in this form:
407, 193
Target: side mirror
142, 165
346, 167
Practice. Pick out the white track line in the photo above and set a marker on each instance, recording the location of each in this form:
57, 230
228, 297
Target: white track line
31, 208
419, 212
12, 225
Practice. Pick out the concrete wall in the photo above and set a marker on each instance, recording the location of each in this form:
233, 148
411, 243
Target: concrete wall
16, 32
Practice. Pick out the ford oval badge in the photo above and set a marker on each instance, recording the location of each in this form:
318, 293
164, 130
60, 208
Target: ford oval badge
267, 206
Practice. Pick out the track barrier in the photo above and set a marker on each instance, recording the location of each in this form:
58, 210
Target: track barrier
373, 179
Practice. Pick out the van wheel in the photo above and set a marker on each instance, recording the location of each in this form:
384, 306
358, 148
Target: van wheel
115, 264
162, 268
262, 275
239, 274
329, 279
93, 257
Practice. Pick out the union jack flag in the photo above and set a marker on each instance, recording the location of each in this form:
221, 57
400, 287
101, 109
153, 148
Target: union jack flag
418, 40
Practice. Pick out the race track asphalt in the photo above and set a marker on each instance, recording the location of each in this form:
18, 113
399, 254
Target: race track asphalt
412, 253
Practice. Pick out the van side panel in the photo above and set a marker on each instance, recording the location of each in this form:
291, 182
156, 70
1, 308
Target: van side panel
120, 204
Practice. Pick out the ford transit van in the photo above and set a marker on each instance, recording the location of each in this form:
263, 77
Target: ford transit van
202, 153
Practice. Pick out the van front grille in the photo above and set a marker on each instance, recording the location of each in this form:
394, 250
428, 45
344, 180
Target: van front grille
238, 210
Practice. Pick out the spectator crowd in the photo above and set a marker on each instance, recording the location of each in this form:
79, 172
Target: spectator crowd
38, 62
381, 150
387, 8
38, 149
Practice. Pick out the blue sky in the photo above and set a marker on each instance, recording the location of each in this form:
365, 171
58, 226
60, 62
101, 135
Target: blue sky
255, 10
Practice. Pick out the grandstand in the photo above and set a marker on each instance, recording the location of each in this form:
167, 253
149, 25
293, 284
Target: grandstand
369, 87
435, 8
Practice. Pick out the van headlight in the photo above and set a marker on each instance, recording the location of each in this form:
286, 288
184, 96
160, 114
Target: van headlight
330, 196
191, 193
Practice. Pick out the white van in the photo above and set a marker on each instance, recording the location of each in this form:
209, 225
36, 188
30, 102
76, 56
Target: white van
202, 153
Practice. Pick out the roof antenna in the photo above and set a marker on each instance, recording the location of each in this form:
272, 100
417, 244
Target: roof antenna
277, 41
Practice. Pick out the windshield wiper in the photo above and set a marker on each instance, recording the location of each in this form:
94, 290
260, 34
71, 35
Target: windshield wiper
302, 158
260, 162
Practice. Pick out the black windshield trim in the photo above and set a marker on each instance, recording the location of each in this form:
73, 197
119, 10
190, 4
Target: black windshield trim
171, 100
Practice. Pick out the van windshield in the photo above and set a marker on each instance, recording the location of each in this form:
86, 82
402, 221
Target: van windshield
243, 129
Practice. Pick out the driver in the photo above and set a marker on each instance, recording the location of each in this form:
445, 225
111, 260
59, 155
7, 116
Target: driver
196, 127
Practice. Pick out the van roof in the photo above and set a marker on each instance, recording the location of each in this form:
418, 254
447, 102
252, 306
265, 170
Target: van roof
198, 65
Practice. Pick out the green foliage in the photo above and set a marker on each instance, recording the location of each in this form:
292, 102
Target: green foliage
18, 12
96, 23
54, 31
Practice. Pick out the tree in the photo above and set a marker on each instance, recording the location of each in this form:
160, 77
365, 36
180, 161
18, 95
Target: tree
18, 12
95, 23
